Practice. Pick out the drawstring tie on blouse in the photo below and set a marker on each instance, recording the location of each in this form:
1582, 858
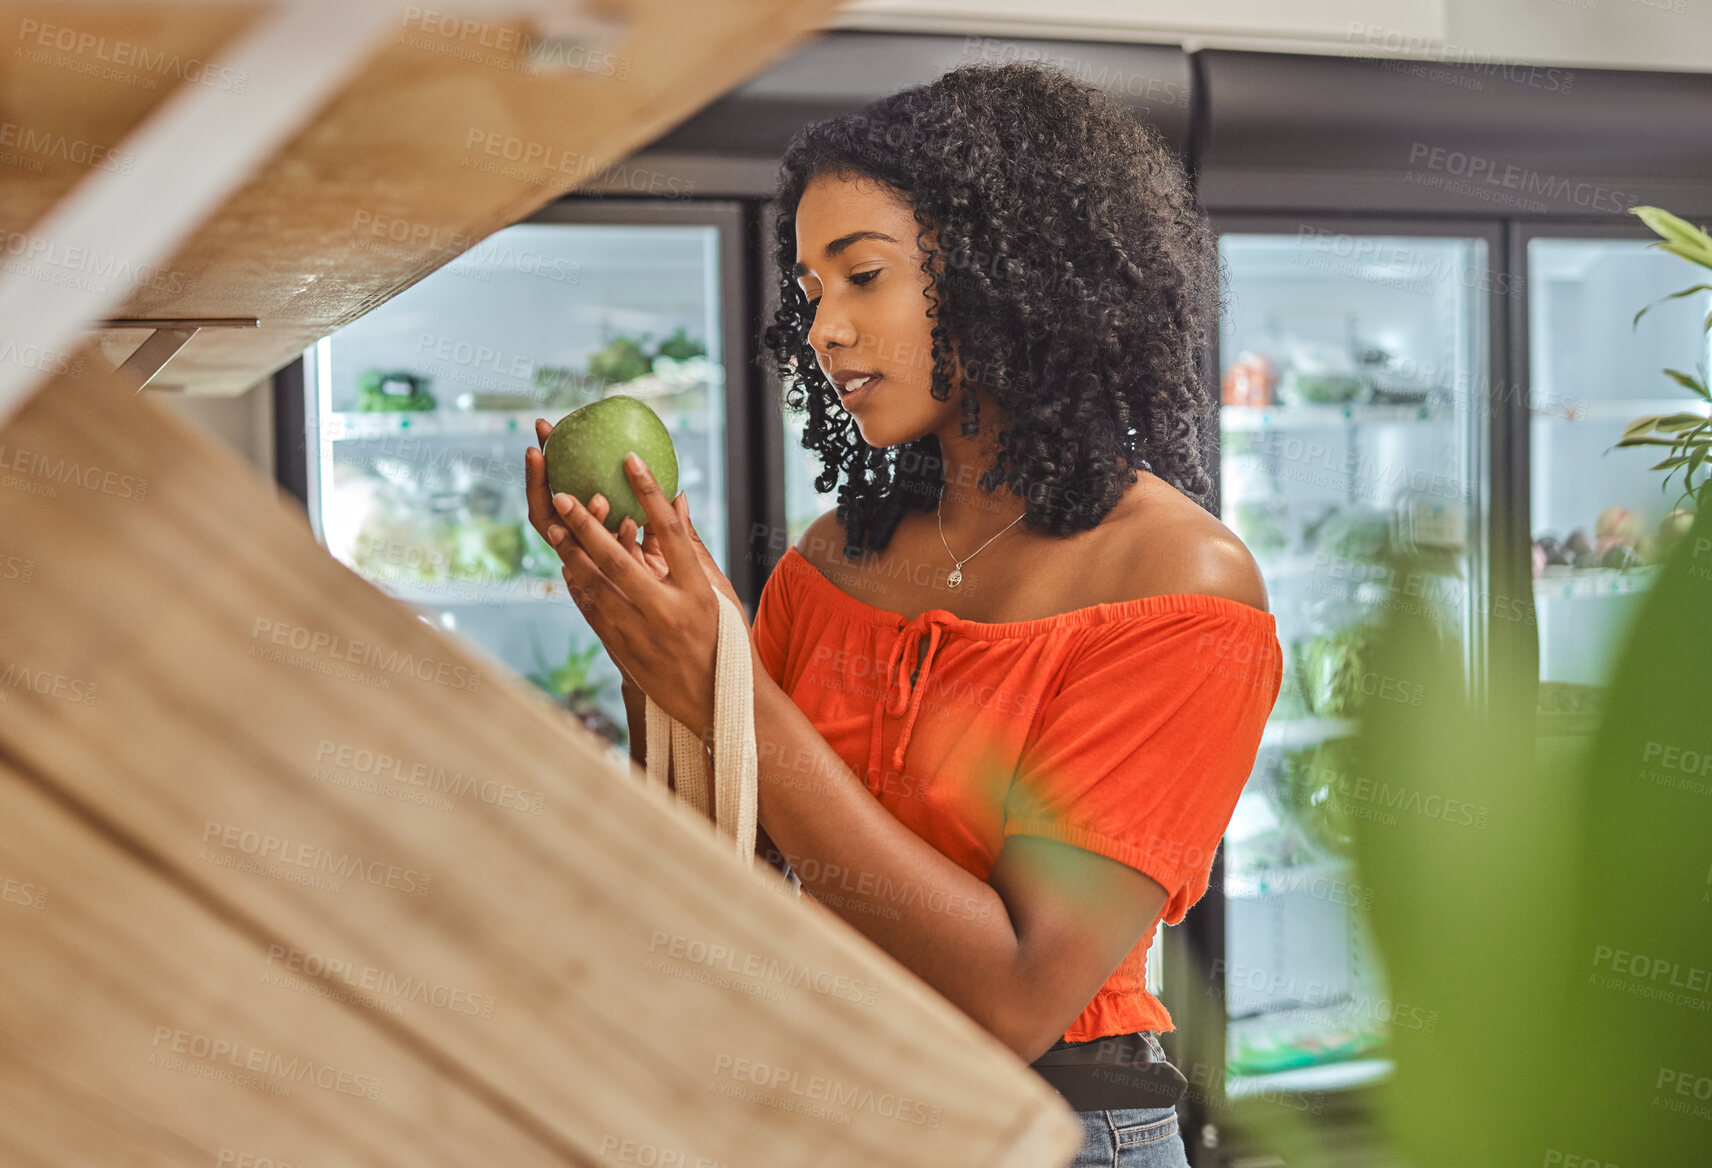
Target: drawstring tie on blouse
901, 695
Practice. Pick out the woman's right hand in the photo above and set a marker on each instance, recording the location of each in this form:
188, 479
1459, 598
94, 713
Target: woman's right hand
545, 520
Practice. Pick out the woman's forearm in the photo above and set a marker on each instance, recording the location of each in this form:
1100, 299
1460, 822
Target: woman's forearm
948, 927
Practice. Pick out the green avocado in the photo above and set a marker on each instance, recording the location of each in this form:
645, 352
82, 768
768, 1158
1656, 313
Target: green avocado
585, 455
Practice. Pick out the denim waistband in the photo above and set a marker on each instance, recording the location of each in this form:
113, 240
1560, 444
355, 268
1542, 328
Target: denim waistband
1112, 1073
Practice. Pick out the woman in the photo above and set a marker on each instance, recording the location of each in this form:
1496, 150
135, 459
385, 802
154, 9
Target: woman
1002, 732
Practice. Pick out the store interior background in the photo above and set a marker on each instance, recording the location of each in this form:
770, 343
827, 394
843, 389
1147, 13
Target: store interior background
1615, 34
1339, 167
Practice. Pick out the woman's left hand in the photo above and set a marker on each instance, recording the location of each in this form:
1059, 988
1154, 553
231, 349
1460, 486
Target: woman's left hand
661, 631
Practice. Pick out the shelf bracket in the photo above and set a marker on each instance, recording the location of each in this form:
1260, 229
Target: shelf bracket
169, 336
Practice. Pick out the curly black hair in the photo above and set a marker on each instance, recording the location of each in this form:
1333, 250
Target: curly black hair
1078, 264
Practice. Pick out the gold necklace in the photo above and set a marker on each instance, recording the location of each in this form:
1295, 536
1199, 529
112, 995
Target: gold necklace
956, 576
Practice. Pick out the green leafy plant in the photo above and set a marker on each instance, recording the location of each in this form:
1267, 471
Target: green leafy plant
623, 359
383, 391
570, 683
1688, 436
570, 679
679, 347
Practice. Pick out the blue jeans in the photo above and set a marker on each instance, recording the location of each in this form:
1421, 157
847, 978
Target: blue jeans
1136, 1137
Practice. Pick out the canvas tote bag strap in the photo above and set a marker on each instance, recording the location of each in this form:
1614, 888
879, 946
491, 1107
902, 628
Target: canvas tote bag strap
735, 766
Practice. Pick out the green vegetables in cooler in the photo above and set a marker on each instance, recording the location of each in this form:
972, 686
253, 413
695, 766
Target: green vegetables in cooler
620, 361
679, 347
1313, 787
382, 391
1322, 389
491, 550
1333, 667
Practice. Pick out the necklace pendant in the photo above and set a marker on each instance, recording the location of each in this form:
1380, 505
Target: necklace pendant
955, 578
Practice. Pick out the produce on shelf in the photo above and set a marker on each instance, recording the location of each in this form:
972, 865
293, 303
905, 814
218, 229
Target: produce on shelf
1359, 533
1312, 789
488, 550
1333, 666
1565, 707
585, 455
1249, 381
400, 548
408, 551
1284, 1040
677, 369
1674, 526
620, 361
679, 347
1616, 525
1319, 374
1320, 388
380, 391
1617, 543
1394, 380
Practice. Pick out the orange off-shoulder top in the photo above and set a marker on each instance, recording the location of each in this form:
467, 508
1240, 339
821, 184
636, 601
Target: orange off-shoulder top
1126, 728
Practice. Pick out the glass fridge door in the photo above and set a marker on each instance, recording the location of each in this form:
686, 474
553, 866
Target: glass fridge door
1601, 518
1352, 440
422, 410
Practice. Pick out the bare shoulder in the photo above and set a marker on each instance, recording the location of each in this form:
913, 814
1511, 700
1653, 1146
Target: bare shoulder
822, 542
1179, 547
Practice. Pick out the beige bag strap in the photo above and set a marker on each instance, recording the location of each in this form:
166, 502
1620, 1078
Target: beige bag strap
735, 766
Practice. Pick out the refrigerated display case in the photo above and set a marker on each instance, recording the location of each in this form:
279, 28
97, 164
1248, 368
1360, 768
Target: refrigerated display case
418, 414
1601, 519
1355, 381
